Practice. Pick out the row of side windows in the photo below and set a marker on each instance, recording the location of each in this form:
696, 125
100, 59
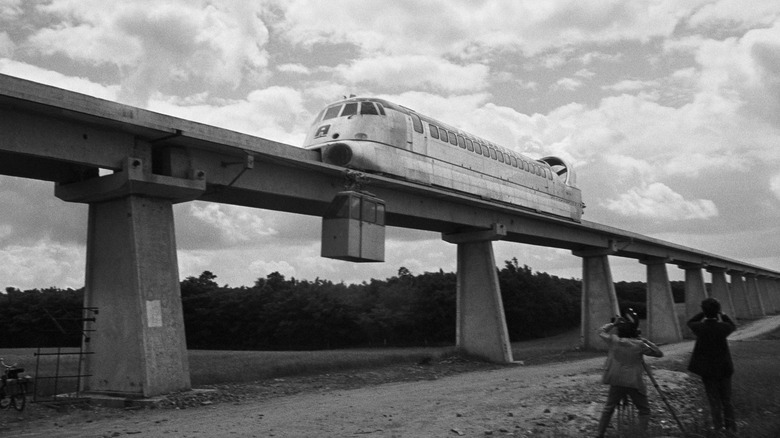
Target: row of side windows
485, 149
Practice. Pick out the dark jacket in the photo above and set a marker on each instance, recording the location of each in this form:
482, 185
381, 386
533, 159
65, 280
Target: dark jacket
711, 356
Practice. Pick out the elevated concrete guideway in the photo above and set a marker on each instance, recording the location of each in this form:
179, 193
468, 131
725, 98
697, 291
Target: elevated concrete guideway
132, 276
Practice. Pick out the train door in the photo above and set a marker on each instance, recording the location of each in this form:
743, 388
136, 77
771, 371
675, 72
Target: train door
353, 228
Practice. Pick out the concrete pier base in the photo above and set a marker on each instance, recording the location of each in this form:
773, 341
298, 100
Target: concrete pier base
720, 291
695, 292
739, 296
754, 297
599, 300
132, 278
663, 326
481, 323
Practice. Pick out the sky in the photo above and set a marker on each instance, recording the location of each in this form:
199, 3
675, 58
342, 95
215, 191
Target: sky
669, 110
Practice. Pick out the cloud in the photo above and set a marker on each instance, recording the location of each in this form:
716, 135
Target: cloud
416, 71
45, 263
7, 46
657, 201
55, 79
733, 15
276, 113
630, 85
465, 29
774, 185
158, 44
566, 84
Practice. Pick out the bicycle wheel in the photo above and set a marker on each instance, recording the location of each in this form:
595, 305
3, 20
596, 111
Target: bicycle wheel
20, 400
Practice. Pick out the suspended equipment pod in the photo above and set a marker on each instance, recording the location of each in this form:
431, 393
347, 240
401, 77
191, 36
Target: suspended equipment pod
353, 228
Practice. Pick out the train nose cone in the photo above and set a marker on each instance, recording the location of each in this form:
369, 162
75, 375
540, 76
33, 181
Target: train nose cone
338, 154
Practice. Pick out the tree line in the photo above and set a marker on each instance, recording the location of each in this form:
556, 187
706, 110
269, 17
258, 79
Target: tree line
277, 313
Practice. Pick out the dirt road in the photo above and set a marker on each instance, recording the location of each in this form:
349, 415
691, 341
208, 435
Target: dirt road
560, 399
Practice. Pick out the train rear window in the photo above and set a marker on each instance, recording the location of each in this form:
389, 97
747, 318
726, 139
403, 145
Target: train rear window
332, 112
350, 109
368, 108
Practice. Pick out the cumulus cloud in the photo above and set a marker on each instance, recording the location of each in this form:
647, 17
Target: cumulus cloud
158, 44
658, 201
232, 224
774, 185
45, 263
416, 71
567, 84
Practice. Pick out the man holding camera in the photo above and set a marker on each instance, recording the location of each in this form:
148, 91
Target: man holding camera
625, 368
711, 359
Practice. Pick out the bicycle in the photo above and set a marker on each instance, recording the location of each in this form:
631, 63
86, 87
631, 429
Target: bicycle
13, 388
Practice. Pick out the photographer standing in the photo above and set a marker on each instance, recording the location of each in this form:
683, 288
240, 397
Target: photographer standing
625, 368
711, 360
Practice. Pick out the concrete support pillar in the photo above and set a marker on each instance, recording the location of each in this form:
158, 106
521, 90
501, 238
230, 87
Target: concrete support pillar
132, 278
663, 326
720, 290
599, 300
481, 323
739, 296
754, 297
774, 291
764, 289
695, 292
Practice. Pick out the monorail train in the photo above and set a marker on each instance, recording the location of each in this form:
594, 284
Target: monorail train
377, 136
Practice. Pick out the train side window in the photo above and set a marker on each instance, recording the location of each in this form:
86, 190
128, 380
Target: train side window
549, 174
492, 153
500, 156
369, 211
350, 109
443, 135
380, 214
513, 160
453, 139
417, 123
477, 148
434, 131
354, 207
526, 166
332, 112
380, 108
469, 145
368, 108
485, 150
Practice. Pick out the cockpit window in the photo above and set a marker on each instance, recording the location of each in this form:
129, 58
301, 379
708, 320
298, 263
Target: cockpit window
332, 112
368, 108
417, 123
350, 109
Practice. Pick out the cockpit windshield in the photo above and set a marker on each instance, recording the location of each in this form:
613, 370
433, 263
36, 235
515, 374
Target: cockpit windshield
352, 108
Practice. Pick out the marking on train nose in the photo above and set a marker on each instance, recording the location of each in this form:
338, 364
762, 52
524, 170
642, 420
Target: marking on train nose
322, 131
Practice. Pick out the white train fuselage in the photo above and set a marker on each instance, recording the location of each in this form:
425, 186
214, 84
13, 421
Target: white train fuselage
377, 136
